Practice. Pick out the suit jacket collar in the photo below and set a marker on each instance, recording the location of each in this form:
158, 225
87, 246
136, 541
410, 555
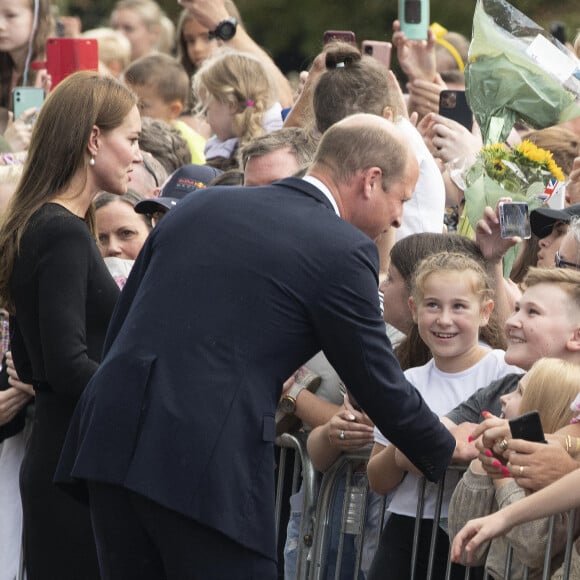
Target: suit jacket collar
307, 188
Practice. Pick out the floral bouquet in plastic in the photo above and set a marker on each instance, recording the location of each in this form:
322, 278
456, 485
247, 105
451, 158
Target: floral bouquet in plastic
523, 173
517, 71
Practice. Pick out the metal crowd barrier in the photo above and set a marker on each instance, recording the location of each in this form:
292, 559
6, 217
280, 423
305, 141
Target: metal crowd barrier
317, 523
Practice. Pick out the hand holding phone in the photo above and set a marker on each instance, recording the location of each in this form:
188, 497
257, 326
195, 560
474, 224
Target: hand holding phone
528, 426
514, 220
25, 99
414, 18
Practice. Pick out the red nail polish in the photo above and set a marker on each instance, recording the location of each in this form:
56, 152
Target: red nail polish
488, 453
485, 413
470, 438
496, 463
506, 472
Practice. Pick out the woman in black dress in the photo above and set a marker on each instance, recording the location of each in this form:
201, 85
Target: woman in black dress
60, 295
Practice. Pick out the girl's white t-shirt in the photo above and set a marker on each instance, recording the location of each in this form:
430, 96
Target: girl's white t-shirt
443, 392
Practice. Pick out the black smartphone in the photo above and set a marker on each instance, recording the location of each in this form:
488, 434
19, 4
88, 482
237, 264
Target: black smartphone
453, 105
528, 426
514, 219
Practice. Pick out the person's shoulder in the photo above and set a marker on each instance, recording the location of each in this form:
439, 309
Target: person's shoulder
53, 224
504, 384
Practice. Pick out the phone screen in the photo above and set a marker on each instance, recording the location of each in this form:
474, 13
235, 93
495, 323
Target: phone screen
514, 220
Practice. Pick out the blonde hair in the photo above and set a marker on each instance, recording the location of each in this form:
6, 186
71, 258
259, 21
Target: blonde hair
552, 385
240, 80
451, 262
566, 278
114, 47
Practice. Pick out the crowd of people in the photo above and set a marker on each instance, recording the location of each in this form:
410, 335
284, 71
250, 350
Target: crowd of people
196, 256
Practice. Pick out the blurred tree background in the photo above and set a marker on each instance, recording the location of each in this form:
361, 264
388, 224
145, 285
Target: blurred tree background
292, 31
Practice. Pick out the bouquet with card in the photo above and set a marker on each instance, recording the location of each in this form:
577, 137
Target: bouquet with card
517, 71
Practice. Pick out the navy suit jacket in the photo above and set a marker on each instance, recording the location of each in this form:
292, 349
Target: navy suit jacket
232, 292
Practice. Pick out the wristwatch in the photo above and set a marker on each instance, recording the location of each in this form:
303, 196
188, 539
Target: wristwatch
288, 402
225, 30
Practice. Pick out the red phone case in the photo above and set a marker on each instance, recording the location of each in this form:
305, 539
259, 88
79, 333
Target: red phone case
65, 56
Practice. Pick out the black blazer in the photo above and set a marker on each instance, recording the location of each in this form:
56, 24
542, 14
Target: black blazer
232, 292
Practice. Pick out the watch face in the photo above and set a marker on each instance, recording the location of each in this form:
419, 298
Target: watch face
226, 30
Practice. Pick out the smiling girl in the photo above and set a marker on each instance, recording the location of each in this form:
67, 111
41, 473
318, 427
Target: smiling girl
451, 300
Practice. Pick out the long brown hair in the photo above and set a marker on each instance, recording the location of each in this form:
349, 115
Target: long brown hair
58, 149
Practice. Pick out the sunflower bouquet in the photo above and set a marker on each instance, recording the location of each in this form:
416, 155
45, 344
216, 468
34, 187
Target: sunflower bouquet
522, 172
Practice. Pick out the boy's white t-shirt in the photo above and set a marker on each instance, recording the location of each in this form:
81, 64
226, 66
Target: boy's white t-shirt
443, 392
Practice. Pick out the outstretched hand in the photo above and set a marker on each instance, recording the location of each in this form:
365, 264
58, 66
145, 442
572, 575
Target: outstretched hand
475, 533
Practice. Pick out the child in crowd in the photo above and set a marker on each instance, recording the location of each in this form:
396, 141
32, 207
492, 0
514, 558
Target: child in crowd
24, 34
451, 300
194, 42
163, 90
234, 91
549, 387
114, 49
142, 22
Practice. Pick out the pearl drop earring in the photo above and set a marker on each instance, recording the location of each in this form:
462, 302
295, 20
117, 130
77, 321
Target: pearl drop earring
92, 161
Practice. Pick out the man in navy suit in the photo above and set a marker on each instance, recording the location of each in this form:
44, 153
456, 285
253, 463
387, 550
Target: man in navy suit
233, 291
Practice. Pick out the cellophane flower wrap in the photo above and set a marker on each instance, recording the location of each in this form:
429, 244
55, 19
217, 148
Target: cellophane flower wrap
522, 173
517, 71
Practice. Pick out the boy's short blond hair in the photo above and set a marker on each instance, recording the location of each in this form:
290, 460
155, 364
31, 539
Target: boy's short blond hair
161, 72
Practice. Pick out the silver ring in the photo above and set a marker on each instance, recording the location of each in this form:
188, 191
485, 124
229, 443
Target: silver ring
341, 435
521, 470
503, 444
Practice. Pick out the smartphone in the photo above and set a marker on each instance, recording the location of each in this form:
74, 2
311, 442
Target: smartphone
453, 105
414, 18
65, 56
379, 50
528, 426
24, 98
342, 35
514, 219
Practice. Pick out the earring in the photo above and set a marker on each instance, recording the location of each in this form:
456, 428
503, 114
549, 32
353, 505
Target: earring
92, 161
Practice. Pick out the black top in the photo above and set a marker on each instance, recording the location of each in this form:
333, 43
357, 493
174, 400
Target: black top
484, 399
64, 297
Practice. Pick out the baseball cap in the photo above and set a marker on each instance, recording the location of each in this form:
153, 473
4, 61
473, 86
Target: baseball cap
542, 220
181, 182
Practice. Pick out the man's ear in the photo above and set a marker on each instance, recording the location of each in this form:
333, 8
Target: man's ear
175, 109
388, 113
94, 141
371, 181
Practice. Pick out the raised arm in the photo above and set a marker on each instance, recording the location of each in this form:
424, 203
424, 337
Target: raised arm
210, 13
